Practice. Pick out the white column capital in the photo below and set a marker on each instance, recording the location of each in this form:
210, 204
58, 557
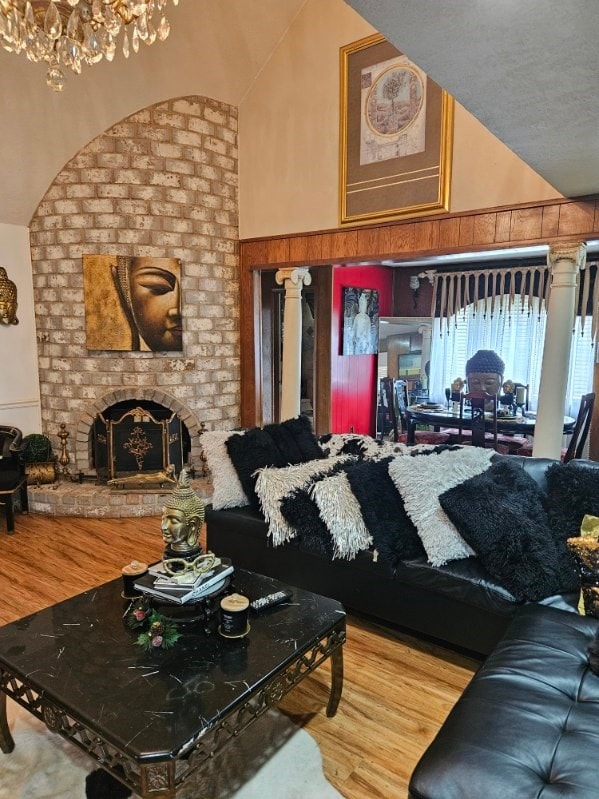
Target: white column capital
297, 275
566, 257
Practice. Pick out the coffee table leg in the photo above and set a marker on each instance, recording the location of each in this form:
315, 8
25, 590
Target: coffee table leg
158, 780
336, 681
6, 741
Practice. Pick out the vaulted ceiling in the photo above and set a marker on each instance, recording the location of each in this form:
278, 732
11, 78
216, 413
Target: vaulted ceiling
527, 70
215, 49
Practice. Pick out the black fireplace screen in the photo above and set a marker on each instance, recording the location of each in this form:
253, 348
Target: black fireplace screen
135, 441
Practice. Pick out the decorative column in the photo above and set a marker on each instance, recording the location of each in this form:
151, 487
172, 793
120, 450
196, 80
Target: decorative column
565, 261
293, 278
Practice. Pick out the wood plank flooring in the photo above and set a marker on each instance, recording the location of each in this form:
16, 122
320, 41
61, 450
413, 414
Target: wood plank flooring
397, 689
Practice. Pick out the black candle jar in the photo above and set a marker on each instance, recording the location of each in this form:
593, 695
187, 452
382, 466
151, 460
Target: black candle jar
234, 610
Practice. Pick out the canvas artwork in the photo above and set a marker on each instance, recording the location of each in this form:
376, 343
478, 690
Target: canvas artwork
360, 321
132, 303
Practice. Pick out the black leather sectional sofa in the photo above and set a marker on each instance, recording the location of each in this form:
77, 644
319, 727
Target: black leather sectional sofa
527, 725
459, 603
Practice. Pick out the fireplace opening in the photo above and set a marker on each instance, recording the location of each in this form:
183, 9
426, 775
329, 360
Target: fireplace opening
138, 436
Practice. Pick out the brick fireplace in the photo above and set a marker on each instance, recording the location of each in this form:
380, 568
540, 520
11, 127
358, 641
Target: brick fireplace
161, 183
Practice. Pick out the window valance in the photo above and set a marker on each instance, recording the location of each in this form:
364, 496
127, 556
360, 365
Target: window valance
497, 287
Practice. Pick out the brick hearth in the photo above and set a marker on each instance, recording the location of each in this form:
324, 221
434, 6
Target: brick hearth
98, 501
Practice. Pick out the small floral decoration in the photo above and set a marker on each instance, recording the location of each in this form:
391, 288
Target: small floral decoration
137, 613
161, 633
157, 632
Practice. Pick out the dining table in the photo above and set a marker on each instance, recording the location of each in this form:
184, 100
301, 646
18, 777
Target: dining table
438, 416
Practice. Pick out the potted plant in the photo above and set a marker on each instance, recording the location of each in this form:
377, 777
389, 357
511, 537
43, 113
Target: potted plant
40, 462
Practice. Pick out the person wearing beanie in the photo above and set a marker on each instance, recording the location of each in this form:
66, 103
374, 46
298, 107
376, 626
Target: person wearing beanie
484, 372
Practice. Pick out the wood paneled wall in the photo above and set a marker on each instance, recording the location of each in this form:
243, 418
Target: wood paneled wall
505, 227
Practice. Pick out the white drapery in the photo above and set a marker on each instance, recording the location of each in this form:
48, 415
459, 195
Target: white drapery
515, 330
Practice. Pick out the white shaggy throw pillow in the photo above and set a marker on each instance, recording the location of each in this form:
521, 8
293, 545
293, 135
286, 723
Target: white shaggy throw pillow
340, 511
421, 480
274, 483
227, 490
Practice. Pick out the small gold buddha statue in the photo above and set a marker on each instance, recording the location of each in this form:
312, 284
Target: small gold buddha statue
8, 300
182, 519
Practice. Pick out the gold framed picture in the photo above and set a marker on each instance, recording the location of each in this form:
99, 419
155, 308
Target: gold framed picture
396, 136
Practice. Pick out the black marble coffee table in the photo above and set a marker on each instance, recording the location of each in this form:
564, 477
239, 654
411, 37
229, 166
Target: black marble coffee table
152, 719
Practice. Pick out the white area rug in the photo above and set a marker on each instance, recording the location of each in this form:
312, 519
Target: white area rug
272, 759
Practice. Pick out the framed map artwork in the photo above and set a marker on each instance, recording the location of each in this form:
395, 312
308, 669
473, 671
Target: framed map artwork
396, 136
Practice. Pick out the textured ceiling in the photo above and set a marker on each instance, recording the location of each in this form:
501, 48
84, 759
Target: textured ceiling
527, 70
215, 49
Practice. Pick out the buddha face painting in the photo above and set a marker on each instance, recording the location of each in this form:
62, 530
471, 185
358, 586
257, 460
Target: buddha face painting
156, 302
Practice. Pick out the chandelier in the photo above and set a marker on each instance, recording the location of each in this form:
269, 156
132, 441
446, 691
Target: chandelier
69, 33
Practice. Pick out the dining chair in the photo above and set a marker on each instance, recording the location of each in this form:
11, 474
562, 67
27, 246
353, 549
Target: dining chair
526, 388
483, 411
386, 419
13, 480
510, 443
400, 391
580, 433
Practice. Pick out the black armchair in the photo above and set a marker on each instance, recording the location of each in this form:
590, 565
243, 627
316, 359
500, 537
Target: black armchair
13, 480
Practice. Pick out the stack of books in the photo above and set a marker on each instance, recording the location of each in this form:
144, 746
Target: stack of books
157, 583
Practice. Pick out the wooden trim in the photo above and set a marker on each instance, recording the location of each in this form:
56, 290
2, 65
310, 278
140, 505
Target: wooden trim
323, 291
527, 224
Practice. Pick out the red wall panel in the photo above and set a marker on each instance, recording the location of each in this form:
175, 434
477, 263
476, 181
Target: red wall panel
354, 377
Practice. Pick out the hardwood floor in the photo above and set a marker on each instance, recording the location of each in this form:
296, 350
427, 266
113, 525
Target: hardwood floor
397, 689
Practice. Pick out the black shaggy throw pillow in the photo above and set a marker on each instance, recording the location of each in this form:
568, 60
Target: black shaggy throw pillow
500, 513
295, 440
278, 445
572, 492
393, 532
301, 512
416, 453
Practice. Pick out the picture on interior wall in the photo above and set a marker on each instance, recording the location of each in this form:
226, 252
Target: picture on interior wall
396, 136
360, 321
132, 303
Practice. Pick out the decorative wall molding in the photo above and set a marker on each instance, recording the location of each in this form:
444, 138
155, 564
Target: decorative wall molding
26, 403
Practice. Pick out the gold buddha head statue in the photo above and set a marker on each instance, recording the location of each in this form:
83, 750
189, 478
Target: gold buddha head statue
8, 300
182, 519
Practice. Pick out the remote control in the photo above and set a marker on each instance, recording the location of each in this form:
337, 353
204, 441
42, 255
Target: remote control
269, 600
